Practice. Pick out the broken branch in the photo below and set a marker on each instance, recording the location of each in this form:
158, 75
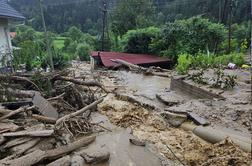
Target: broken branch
78, 82
81, 111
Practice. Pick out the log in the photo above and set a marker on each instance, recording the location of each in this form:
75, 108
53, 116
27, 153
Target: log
129, 65
20, 93
16, 142
79, 82
81, 111
18, 111
8, 126
44, 119
39, 155
42, 133
64, 161
148, 71
22, 148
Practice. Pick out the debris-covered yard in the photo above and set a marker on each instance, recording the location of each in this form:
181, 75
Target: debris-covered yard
123, 117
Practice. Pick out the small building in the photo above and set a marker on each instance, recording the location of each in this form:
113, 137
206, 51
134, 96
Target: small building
106, 59
7, 14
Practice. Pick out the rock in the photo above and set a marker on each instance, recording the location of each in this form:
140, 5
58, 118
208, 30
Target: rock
77, 161
197, 119
64, 161
137, 142
173, 119
95, 157
170, 98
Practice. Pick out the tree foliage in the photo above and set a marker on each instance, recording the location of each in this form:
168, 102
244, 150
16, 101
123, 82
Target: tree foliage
189, 36
138, 41
129, 15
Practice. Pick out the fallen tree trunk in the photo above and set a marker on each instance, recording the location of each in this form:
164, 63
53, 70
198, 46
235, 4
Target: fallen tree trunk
42, 133
129, 65
19, 93
81, 111
39, 155
147, 71
79, 82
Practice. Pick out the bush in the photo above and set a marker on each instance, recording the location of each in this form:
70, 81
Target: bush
189, 36
184, 62
203, 61
83, 51
30, 54
138, 41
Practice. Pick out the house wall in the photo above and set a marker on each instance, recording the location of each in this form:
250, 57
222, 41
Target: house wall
5, 41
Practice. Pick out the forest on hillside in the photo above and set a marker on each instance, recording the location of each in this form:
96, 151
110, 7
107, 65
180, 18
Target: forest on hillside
204, 32
87, 14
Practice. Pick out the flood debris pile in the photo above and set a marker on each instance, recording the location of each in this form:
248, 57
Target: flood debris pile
175, 144
45, 116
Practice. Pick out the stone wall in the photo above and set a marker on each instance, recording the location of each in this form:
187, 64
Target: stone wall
178, 84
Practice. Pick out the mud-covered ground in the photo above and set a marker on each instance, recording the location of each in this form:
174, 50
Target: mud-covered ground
177, 145
148, 125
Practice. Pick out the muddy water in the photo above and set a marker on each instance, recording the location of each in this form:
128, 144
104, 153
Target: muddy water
143, 87
147, 86
122, 152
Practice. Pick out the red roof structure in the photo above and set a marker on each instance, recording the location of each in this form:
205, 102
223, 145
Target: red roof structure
137, 59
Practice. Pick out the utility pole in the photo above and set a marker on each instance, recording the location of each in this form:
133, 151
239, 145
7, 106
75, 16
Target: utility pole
104, 18
49, 51
220, 10
229, 25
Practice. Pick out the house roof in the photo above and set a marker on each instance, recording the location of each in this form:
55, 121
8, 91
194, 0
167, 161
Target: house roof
6, 11
137, 59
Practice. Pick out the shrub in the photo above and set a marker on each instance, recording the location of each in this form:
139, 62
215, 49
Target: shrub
83, 51
184, 62
203, 61
189, 36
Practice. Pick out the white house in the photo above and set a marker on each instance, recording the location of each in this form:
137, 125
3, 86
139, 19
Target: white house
7, 14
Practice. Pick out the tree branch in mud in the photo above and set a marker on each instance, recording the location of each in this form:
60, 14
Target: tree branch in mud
147, 71
79, 82
12, 113
39, 155
81, 111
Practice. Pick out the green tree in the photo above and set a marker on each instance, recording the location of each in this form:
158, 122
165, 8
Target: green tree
83, 51
189, 36
132, 14
74, 33
138, 41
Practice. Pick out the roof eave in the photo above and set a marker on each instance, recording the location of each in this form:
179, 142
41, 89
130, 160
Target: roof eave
13, 17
